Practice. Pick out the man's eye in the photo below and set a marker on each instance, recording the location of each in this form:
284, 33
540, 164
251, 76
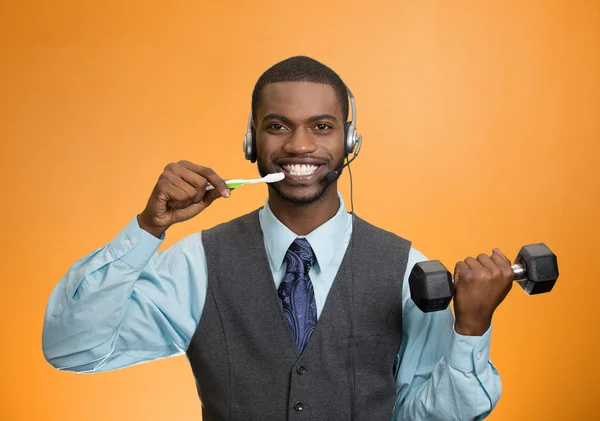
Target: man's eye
322, 127
276, 126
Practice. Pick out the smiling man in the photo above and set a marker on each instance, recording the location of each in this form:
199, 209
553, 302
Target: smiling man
298, 310
299, 129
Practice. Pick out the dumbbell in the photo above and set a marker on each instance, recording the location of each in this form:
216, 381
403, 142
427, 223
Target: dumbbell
432, 285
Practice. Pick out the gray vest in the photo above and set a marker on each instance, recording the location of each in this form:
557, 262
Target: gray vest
243, 356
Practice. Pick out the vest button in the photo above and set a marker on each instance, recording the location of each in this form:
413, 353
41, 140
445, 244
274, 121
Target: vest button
301, 370
298, 406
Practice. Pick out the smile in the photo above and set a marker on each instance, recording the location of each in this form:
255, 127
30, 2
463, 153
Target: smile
300, 169
301, 172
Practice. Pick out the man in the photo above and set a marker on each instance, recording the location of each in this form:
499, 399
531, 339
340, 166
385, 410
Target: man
299, 310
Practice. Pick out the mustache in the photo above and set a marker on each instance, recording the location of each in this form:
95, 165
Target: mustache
300, 159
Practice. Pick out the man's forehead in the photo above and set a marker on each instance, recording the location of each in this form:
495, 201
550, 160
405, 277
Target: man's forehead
307, 98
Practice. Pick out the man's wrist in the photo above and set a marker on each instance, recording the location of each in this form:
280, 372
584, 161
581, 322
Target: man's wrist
157, 232
472, 327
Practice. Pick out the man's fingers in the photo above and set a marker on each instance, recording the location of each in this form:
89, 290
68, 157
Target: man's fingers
210, 175
460, 268
497, 252
487, 262
217, 182
189, 192
189, 212
473, 263
197, 181
504, 265
210, 196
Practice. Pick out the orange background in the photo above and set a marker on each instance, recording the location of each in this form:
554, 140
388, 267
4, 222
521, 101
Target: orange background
480, 120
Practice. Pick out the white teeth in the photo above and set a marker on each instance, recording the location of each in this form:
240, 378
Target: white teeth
303, 169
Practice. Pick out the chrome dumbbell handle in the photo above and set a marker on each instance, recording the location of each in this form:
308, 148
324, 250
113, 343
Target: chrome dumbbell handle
520, 272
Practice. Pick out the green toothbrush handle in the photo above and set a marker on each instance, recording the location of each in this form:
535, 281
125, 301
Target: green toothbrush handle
233, 185
230, 184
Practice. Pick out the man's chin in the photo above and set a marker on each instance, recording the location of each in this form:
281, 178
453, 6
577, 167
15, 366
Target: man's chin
299, 196
295, 193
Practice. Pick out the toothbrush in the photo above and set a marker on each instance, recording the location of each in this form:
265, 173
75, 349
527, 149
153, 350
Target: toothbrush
269, 178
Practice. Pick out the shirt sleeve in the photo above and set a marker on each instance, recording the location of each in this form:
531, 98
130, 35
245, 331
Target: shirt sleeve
441, 375
126, 303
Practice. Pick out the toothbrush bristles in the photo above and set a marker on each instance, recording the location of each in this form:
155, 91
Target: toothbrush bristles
272, 178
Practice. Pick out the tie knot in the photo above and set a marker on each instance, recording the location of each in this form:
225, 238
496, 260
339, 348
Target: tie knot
300, 256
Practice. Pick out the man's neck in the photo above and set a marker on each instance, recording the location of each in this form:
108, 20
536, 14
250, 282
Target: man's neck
303, 219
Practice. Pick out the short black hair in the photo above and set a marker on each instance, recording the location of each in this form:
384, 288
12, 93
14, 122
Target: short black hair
301, 69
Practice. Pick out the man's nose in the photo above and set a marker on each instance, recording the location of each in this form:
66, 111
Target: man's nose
300, 142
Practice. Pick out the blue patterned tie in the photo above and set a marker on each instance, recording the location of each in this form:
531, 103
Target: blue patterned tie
297, 294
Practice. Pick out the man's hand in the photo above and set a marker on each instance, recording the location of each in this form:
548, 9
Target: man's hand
179, 195
480, 286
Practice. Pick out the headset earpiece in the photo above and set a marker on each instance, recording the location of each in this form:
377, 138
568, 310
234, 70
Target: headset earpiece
352, 138
348, 138
250, 142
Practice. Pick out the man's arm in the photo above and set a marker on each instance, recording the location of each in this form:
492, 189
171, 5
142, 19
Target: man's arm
126, 303
442, 375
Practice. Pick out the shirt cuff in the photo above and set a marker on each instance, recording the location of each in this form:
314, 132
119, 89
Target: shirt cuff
469, 353
134, 245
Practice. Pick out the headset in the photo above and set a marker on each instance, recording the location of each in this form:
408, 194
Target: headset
352, 140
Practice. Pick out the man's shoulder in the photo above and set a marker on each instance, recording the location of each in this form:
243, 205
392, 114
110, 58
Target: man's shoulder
239, 223
367, 226
414, 255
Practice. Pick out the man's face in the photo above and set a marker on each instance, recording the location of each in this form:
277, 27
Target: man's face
300, 131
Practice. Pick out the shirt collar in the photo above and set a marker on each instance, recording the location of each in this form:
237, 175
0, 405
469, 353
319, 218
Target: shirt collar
324, 240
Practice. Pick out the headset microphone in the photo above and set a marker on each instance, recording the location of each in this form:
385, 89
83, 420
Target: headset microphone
332, 176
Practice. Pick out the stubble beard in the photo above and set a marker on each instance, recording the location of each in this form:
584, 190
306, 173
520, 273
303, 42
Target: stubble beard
299, 199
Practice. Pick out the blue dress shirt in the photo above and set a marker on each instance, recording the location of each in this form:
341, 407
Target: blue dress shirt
127, 303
